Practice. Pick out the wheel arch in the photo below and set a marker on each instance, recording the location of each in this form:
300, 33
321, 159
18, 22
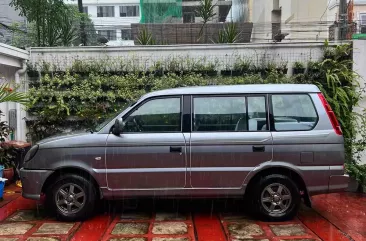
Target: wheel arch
71, 170
254, 177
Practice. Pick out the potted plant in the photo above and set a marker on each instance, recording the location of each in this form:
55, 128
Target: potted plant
32, 71
313, 68
241, 66
282, 68
7, 155
7, 152
298, 68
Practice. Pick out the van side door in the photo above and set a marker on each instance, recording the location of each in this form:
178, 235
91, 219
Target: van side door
229, 138
150, 152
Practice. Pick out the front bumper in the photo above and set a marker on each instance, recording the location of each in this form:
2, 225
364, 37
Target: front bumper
32, 182
338, 183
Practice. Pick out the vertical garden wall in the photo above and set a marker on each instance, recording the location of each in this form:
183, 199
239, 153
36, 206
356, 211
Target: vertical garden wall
86, 93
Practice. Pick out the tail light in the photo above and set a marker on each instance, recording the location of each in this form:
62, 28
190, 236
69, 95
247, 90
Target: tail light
332, 117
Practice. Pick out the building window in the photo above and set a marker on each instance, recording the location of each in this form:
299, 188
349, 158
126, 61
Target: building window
129, 11
362, 18
189, 17
105, 11
85, 10
126, 34
109, 34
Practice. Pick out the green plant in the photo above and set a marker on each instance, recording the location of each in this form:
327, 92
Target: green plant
229, 34
242, 64
298, 65
205, 10
145, 37
8, 94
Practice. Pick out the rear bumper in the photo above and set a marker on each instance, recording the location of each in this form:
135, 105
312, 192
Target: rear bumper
338, 183
32, 182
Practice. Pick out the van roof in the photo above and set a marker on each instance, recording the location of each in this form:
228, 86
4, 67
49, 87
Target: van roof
238, 89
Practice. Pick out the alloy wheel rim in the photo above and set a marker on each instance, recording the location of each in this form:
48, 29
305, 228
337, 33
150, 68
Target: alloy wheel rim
70, 198
276, 199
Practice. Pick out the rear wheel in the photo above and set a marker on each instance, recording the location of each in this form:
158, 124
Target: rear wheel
276, 198
71, 198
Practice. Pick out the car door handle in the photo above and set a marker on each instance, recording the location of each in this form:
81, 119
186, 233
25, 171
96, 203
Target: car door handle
175, 149
259, 148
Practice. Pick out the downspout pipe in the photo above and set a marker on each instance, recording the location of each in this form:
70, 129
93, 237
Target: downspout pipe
18, 74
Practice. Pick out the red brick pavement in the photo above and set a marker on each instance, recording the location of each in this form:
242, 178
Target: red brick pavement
333, 217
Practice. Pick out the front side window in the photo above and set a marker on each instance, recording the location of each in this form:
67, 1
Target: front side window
293, 112
105, 11
223, 113
155, 116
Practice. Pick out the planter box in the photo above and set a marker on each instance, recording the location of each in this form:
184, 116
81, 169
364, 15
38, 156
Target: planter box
299, 71
9, 174
185, 33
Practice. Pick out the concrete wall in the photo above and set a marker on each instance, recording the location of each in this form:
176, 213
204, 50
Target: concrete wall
359, 58
144, 56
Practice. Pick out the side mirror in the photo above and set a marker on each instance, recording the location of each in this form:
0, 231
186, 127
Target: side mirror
118, 126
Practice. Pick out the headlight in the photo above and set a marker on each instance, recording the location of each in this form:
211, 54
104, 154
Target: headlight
31, 153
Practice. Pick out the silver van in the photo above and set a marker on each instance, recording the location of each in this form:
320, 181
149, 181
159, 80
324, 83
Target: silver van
271, 144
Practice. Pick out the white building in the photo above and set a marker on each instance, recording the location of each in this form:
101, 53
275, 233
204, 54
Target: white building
12, 70
112, 18
302, 20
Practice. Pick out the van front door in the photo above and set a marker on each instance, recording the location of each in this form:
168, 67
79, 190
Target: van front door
150, 151
229, 138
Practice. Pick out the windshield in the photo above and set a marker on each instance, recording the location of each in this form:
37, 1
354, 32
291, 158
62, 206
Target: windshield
114, 115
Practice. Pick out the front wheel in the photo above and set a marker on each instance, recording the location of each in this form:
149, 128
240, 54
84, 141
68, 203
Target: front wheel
276, 198
71, 198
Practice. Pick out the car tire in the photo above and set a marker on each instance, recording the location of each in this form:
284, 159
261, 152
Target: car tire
71, 198
276, 198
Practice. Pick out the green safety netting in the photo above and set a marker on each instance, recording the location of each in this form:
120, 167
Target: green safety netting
160, 11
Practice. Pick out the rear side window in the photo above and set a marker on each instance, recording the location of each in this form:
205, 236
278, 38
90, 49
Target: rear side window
293, 112
229, 113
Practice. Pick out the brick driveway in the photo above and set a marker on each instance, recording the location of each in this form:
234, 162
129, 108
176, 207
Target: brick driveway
184, 220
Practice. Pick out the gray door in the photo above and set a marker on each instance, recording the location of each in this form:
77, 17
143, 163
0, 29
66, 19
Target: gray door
150, 152
229, 139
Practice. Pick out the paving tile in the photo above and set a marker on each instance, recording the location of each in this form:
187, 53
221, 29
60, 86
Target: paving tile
250, 239
173, 216
170, 239
42, 239
14, 228
170, 228
288, 229
135, 216
131, 228
55, 228
233, 217
26, 216
9, 239
128, 239
297, 239
244, 230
